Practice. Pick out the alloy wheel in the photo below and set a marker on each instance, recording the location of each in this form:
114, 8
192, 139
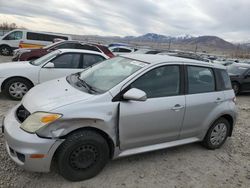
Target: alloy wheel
218, 134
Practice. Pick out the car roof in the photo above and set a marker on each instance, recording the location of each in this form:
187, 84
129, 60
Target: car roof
242, 65
155, 59
82, 51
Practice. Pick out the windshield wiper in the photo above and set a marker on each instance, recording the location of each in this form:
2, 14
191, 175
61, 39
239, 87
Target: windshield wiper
86, 85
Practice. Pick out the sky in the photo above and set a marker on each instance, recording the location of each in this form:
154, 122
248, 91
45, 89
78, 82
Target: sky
228, 19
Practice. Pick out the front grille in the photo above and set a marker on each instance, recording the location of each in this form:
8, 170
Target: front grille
22, 113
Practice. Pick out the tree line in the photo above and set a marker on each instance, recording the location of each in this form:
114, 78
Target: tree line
9, 26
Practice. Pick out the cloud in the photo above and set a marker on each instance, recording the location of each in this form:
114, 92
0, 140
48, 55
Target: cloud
227, 19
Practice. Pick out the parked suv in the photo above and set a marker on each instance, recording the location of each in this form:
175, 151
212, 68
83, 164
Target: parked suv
123, 106
32, 54
240, 77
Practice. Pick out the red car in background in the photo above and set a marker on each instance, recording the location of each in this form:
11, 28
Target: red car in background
25, 54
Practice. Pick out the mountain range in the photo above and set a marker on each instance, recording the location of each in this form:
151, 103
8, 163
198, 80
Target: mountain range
202, 41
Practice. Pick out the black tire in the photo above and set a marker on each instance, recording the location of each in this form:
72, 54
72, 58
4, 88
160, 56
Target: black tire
82, 155
23, 84
5, 50
236, 87
209, 141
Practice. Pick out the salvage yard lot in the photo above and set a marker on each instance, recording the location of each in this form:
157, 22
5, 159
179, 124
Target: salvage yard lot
184, 166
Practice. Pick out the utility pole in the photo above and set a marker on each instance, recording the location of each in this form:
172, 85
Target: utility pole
169, 44
196, 47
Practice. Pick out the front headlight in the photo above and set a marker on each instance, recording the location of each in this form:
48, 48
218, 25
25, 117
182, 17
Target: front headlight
38, 120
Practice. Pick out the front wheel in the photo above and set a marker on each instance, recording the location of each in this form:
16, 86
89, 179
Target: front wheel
16, 88
5, 50
217, 134
82, 155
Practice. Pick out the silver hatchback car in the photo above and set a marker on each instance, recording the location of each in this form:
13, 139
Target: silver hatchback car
123, 106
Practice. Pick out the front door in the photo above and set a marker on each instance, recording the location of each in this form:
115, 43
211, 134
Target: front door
159, 118
64, 65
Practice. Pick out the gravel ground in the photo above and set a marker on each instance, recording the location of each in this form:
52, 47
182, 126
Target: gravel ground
184, 166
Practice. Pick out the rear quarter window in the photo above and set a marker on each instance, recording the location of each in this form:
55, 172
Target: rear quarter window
200, 79
223, 80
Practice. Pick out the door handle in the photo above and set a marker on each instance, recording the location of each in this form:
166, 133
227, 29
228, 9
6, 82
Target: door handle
218, 100
177, 107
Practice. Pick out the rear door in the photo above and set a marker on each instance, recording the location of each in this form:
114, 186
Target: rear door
89, 60
64, 65
202, 99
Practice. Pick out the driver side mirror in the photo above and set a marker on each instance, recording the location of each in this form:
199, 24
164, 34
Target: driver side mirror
135, 95
49, 65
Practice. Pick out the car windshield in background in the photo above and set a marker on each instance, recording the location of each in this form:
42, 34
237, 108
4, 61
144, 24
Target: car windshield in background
109, 73
51, 45
45, 58
236, 70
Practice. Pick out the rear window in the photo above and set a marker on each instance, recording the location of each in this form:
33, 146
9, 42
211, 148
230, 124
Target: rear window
200, 80
223, 80
124, 50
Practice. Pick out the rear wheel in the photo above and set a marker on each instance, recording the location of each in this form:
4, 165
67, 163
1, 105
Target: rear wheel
82, 155
217, 134
236, 88
16, 88
5, 50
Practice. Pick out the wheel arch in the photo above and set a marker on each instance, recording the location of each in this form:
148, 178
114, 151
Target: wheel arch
230, 120
1, 45
13, 77
109, 140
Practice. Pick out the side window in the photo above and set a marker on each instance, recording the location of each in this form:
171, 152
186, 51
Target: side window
200, 80
223, 80
66, 45
87, 47
16, 35
124, 50
67, 61
90, 59
160, 82
115, 50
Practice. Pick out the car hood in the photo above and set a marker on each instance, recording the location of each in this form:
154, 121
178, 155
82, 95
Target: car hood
17, 65
51, 95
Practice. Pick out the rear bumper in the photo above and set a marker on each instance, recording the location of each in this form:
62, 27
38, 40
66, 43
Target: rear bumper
21, 145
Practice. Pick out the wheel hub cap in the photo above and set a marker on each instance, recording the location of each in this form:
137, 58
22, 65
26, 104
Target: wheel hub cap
5, 51
83, 157
18, 90
218, 134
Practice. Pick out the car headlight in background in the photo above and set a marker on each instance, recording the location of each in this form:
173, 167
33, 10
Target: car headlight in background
38, 120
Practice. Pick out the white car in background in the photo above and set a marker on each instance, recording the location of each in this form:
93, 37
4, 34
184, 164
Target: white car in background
22, 38
16, 78
119, 50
